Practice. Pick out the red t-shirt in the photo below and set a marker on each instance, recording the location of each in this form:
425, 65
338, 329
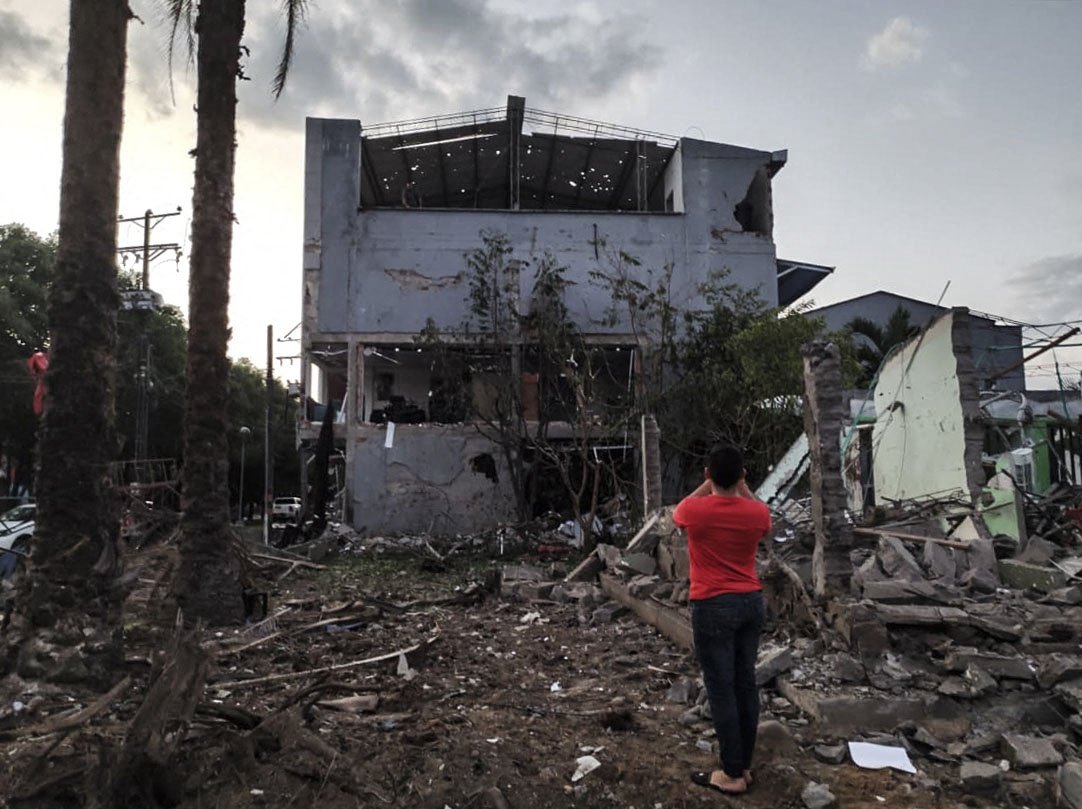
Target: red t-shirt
723, 535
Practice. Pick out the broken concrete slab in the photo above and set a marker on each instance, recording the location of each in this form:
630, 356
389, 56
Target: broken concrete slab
1030, 752
978, 777
897, 561
772, 663
896, 591
1023, 576
939, 562
920, 615
1066, 596
1038, 551
843, 714
1056, 668
610, 555
1071, 693
1013, 668
671, 623
643, 586
1069, 785
979, 580
641, 563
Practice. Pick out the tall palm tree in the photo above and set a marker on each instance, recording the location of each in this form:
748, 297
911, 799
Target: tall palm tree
208, 585
873, 342
70, 602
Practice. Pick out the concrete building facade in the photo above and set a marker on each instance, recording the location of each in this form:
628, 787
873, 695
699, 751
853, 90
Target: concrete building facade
391, 212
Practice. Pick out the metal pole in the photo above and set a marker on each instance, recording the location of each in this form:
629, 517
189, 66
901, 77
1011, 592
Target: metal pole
268, 461
146, 249
244, 433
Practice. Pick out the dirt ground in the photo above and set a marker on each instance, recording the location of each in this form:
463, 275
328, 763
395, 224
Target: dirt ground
507, 696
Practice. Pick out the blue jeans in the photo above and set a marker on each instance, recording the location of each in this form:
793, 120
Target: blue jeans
726, 629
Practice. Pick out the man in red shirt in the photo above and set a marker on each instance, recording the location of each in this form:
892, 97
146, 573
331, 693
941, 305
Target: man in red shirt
724, 523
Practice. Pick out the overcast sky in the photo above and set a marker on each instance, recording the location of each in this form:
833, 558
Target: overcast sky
928, 141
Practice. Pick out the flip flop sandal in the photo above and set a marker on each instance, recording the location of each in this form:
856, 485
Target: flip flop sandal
702, 778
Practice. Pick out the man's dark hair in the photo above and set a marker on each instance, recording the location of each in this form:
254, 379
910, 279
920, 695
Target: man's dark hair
725, 463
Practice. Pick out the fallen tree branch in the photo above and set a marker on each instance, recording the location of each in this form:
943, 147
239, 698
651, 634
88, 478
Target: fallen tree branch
79, 717
284, 560
276, 678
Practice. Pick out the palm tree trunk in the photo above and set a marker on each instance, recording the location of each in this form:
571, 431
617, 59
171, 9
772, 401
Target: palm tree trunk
69, 605
208, 584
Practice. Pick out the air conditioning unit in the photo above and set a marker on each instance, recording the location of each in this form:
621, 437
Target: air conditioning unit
1022, 468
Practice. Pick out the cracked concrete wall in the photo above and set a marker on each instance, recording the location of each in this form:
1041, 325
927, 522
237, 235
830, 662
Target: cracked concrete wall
928, 434
388, 271
434, 478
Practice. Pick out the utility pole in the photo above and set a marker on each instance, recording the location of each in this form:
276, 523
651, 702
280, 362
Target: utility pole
144, 300
268, 444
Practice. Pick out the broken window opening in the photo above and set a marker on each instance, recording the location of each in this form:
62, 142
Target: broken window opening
329, 372
755, 212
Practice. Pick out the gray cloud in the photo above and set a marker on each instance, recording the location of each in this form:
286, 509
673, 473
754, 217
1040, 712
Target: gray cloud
383, 61
1049, 289
24, 51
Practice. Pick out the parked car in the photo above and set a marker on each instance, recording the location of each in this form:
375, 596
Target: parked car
16, 531
286, 509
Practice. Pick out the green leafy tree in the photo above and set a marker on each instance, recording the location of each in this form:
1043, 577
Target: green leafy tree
27, 264
729, 370
872, 341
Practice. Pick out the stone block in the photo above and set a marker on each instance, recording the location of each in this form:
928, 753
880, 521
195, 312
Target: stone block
522, 573
1022, 576
607, 613
1069, 785
817, 796
526, 591
771, 663
920, 615
610, 555
978, 777
1029, 752
682, 691
979, 554
831, 753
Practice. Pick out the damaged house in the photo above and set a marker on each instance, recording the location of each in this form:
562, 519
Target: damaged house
937, 428
391, 213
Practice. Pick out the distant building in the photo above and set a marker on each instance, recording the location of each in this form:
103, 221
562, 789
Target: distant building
391, 210
996, 348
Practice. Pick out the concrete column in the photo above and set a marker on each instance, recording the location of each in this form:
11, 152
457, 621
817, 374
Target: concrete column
651, 464
824, 420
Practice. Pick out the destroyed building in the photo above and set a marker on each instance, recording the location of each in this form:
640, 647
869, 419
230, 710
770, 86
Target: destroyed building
392, 210
996, 345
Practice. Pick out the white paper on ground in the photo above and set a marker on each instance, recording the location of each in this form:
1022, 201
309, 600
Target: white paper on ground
388, 442
877, 756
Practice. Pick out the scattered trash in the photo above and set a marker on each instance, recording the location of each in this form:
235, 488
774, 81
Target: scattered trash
878, 756
586, 765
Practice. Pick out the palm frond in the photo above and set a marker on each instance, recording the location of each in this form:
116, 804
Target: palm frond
180, 13
295, 11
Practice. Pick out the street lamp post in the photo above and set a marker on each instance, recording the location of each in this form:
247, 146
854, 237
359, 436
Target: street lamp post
244, 433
